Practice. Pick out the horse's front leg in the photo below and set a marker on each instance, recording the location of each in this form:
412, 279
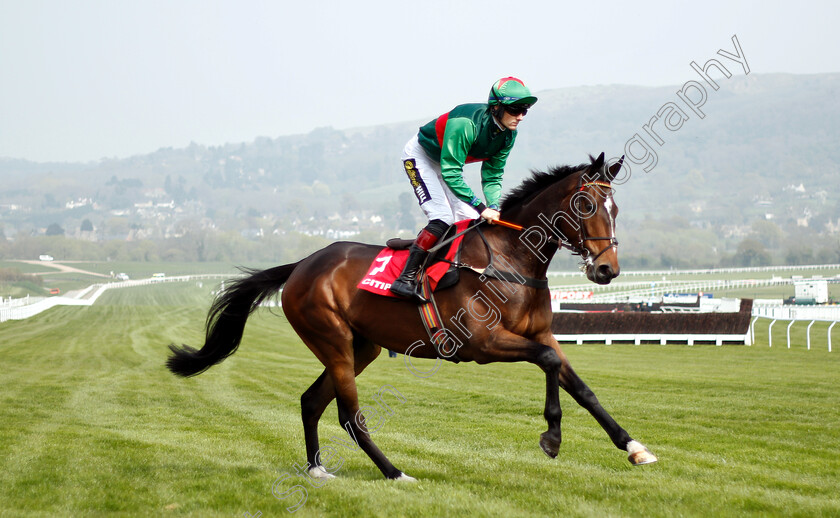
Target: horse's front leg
508, 347
571, 383
550, 439
546, 353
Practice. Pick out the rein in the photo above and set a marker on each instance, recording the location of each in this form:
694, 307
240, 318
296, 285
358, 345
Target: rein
490, 270
448, 240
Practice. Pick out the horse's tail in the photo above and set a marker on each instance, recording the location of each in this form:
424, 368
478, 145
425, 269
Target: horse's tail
226, 320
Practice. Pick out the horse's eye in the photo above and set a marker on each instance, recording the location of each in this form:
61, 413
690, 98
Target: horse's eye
585, 206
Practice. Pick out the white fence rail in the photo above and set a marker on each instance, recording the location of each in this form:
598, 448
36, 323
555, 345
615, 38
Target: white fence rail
14, 309
618, 291
793, 314
712, 271
662, 338
662, 287
790, 322
822, 313
14, 303
22, 312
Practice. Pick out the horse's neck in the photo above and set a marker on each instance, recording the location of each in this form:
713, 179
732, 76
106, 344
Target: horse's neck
536, 217
510, 252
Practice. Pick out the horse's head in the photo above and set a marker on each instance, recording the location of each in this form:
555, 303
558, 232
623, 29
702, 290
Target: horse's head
593, 212
571, 207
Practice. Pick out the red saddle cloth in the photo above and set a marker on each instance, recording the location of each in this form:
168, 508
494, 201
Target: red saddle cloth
388, 265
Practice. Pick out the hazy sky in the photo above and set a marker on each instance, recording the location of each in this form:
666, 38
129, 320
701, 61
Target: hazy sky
81, 80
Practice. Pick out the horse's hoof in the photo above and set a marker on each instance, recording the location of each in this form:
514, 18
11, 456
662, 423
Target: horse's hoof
549, 445
405, 478
641, 458
320, 473
639, 455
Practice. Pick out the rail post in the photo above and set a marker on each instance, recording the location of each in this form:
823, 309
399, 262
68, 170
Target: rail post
809, 334
788, 332
770, 332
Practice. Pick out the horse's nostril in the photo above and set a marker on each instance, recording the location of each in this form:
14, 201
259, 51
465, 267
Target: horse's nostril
605, 271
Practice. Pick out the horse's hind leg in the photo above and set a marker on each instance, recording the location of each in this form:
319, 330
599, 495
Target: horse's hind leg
313, 402
318, 396
551, 438
352, 420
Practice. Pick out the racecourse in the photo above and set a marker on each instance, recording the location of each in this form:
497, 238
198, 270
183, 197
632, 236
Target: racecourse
92, 424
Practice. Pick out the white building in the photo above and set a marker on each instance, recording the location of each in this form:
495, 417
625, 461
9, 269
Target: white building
814, 291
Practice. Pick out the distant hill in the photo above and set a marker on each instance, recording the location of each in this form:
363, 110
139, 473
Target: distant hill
762, 162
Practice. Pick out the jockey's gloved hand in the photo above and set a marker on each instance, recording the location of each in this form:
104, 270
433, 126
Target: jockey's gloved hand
490, 215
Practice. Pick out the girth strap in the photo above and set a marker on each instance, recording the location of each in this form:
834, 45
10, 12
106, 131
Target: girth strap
430, 316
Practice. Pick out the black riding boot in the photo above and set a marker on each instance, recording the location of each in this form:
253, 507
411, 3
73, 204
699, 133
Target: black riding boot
406, 283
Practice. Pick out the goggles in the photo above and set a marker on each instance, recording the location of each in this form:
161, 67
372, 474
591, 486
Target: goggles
517, 109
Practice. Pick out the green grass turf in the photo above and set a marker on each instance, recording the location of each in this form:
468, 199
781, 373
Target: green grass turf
43, 266
92, 424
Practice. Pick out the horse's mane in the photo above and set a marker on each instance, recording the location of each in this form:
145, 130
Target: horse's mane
538, 182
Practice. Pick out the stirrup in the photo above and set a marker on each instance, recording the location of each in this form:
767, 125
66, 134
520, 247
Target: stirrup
408, 290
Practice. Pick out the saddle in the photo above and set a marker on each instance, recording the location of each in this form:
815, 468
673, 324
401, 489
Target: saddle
441, 266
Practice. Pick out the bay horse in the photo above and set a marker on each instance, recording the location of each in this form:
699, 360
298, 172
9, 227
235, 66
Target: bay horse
346, 327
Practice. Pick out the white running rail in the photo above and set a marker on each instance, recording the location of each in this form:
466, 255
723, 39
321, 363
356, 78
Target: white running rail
14, 309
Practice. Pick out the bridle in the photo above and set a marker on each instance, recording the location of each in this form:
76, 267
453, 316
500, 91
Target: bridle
580, 249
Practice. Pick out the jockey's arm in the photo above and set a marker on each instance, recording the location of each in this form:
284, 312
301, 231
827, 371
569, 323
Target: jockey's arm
457, 141
492, 171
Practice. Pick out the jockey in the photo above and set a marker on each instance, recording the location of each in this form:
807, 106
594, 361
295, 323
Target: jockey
434, 160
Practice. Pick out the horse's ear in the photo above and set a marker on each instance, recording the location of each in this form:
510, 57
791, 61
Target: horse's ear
598, 163
613, 170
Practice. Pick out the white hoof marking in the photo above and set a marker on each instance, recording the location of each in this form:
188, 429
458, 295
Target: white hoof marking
639, 455
635, 446
405, 478
320, 472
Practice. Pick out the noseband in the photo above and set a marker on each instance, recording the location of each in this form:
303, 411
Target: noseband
588, 257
